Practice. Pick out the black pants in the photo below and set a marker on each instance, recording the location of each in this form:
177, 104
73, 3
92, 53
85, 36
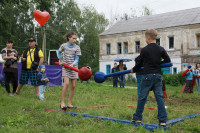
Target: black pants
188, 85
13, 78
115, 80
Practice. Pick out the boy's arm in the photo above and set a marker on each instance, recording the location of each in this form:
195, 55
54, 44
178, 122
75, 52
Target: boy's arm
195, 74
139, 63
165, 56
187, 73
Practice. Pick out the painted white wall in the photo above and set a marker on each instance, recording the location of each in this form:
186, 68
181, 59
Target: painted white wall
176, 63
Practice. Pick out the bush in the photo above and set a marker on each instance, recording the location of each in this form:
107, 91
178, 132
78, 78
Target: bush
167, 78
174, 79
131, 78
181, 79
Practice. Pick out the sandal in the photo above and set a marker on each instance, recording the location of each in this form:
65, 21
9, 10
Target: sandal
64, 108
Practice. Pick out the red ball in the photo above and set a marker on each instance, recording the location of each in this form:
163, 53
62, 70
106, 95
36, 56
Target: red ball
84, 74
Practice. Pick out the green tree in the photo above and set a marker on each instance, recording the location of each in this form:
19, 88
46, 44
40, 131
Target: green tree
146, 11
15, 23
92, 25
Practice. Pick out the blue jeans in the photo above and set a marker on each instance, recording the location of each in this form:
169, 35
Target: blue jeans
122, 80
151, 81
88, 81
115, 79
41, 91
197, 83
139, 80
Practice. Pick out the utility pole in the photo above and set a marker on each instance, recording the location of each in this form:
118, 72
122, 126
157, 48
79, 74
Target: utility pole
44, 44
35, 35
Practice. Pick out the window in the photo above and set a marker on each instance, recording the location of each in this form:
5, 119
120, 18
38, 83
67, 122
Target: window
171, 42
158, 41
198, 40
108, 69
119, 47
108, 49
137, 46
125, 47
174, 70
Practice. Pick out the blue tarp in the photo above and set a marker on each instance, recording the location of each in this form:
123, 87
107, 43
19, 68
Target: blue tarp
53, 72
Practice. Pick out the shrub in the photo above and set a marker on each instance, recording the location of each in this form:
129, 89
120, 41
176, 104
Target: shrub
181, 79
174, 79
130, 78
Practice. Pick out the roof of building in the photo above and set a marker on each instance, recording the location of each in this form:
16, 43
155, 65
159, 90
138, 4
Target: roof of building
170, 19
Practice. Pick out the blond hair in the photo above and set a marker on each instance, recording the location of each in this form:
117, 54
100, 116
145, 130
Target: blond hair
152, 33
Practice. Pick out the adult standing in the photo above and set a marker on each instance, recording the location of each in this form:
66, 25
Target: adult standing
31, 59
71, 53
121, 67
10, 56
115, 78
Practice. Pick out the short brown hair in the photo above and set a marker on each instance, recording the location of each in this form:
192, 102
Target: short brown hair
70, 34
152, 33
9, 41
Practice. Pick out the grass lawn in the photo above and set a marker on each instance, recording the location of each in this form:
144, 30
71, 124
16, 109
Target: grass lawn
25, 113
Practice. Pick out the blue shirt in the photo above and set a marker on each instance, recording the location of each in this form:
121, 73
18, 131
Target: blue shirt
40, 77
190, 75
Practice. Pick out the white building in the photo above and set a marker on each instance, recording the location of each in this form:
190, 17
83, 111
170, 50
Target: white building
178, 33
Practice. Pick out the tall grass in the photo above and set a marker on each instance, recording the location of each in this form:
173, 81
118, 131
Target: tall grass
25, 113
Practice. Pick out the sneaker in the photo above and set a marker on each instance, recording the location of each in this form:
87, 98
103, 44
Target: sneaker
162, 124
136, 121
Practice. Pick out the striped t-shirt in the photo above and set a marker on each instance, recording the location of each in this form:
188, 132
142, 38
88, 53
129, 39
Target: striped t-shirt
68, 58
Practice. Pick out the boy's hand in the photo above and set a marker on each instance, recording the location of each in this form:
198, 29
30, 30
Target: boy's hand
132, 71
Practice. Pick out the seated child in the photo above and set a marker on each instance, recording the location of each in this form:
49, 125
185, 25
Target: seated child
42, 81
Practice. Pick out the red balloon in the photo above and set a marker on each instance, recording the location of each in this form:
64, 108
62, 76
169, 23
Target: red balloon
41, 17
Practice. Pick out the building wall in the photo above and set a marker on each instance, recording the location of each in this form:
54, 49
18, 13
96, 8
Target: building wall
185, 46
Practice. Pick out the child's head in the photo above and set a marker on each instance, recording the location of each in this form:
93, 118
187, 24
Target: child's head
72, 37
115, 64
189, 67
150, 35
42, 68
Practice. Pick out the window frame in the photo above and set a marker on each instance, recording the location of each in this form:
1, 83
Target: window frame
108, 66
119, 51
125, 50
169, 37
108, 52
137, 48
198, 37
